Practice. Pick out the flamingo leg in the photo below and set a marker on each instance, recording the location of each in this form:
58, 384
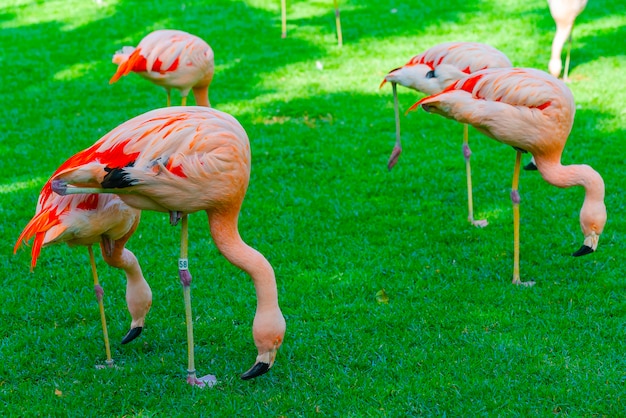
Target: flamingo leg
467, 153
283, 17
515, 198
99, 295
338, 24
184, 101
567, 58
185, 280
397, 149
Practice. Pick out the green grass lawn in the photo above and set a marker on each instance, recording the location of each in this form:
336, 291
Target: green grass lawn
455, 338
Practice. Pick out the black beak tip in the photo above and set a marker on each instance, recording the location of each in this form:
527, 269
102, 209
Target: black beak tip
257, 370
132, 334
584, 250
530, 166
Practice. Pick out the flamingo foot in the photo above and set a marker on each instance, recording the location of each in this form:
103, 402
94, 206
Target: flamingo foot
480, 223
132, 334
205, 381
518, 282
109, 364
257, 370
393, 159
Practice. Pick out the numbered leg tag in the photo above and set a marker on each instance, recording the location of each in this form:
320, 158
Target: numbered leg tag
183, 264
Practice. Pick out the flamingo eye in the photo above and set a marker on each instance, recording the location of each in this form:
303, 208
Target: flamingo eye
430, 74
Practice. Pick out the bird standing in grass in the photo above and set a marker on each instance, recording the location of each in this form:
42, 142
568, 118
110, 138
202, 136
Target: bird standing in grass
183, 160
431, 72
564, 13
533, 112
172, 59
93, 219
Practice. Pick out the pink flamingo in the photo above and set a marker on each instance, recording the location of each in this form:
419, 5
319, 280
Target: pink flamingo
182, 160
172, 59
283, 16
564, 13
86, 220
431, 72
533, 112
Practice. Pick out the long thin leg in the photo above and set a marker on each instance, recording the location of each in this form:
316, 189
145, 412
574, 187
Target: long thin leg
338, 23
99, 295
397, 149
283, 18
567, 56
467, 153
515, 198
185, 280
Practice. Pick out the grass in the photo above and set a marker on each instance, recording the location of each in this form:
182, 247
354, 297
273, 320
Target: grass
455, 338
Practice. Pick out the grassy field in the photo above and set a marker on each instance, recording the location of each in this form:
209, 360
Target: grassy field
454, 337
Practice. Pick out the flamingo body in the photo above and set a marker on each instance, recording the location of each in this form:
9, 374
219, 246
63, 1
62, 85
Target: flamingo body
431, 72
186, 159
84, 220
171, 59
564, 13
532, 111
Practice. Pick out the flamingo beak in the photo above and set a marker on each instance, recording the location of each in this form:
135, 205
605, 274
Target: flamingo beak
388, 74
263, 364
589, 245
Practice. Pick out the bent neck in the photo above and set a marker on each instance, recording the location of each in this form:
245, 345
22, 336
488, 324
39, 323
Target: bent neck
572, 175
201, 94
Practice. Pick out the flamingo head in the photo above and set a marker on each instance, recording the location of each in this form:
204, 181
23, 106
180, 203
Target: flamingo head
420, 77
268, 331
592, 221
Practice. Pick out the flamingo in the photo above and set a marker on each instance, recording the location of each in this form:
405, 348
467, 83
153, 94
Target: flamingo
86, 220
182, 160
172, 59
564, 13
283, 15
431, 72
533, 112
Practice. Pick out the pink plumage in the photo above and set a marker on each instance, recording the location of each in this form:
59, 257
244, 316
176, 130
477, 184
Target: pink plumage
85, 220
183, 160
531, 111
171, 59
432, 71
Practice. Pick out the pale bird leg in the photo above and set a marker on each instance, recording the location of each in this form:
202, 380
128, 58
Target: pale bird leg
515, 198
185, 280
338, 23
467, 153
397, 149
99, 295
184, 101
283, 16
566, 69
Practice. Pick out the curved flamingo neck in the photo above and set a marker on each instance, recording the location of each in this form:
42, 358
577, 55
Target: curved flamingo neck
572, 175
201, 94
227, 239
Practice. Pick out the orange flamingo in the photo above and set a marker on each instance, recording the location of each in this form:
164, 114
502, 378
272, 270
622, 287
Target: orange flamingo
431, 72
182, 160
564, 13
86, 220
283, 16
172, 59
533, 112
